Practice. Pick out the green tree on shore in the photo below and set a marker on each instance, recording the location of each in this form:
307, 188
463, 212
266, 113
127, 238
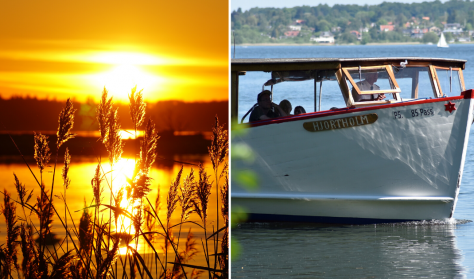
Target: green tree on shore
268, 25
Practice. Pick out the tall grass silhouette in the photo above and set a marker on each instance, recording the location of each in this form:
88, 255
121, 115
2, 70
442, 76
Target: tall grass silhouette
91, 248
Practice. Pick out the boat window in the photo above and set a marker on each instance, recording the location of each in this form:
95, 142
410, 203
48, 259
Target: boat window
414, 82
371, 81
250, 85
449, 80
298, 87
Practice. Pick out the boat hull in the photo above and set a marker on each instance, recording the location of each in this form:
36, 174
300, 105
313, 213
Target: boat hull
401, 167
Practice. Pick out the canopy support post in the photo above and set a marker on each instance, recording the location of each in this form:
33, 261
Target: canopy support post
320, 93
315, 95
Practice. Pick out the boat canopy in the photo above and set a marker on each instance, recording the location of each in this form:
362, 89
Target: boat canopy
278, 64
350, 72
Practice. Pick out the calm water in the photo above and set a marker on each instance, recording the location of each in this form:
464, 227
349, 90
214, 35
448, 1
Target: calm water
436, 249
81, 172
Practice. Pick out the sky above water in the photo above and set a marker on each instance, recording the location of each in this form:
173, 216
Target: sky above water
248, 4
61, 49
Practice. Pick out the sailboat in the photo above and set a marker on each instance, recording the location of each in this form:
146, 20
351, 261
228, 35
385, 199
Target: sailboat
442, 41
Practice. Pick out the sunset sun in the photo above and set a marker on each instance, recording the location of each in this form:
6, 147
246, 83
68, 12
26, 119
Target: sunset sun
121, 78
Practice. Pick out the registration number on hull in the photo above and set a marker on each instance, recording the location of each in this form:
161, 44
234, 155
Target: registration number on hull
411, 113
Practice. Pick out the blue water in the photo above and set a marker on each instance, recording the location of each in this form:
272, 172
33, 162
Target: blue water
436, 249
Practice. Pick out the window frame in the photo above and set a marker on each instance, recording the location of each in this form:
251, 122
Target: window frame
434, 75
388, 68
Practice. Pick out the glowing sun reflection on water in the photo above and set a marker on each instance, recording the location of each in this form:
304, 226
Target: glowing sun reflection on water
122, 172
81, 172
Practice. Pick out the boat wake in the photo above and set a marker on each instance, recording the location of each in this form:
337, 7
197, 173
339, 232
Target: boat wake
448, 221
299, 225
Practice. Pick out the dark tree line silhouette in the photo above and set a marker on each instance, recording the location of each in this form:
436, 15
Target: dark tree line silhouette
28, 114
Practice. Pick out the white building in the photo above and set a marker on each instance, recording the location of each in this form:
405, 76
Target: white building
295, 27
454, 28
324, 38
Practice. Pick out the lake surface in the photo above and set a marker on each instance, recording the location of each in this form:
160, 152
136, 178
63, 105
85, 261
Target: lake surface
81, 172
435, 249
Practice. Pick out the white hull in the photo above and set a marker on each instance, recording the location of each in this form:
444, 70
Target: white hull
395, 169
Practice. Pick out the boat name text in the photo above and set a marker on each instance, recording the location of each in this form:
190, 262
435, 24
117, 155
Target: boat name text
340, 123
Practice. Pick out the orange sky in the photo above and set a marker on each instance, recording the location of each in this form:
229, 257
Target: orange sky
60, 49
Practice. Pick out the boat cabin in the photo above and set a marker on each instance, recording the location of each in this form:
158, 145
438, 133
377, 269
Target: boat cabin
321, 84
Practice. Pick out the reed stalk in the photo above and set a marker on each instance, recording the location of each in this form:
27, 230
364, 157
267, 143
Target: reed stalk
66, 183
218, 152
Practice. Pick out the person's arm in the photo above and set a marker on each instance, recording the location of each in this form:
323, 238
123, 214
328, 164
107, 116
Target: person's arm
282, 112
254, 116
380, 97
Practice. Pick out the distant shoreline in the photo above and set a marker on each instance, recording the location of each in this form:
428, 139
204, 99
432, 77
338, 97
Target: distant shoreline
369, 44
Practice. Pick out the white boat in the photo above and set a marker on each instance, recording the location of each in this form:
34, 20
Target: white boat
442, 41
392, 160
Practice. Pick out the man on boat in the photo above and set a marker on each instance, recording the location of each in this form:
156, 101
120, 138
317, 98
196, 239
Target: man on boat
264, 109
365, 85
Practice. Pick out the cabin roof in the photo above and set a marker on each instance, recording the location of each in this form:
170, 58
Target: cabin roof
275, 64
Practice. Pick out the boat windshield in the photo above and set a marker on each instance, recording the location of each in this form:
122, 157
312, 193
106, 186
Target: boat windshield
367, 83
414, 82
371, 79
450, 80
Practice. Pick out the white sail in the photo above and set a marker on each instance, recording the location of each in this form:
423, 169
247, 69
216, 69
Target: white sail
442, 41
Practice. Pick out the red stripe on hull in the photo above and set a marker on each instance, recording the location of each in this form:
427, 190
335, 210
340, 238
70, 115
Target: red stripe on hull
468, 94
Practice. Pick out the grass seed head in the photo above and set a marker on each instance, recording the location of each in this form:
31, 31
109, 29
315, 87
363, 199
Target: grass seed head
140, 187
173, 196
42, 152
187, 196
137, 107
203, 190
21, 190
97, 189
148, 147
219, 145
114, 142
66, 121
103, 111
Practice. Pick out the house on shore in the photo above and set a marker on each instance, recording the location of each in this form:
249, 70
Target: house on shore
291, 33
294, 27
418, 33
325, 37
435, 29
386, 28
454, 28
